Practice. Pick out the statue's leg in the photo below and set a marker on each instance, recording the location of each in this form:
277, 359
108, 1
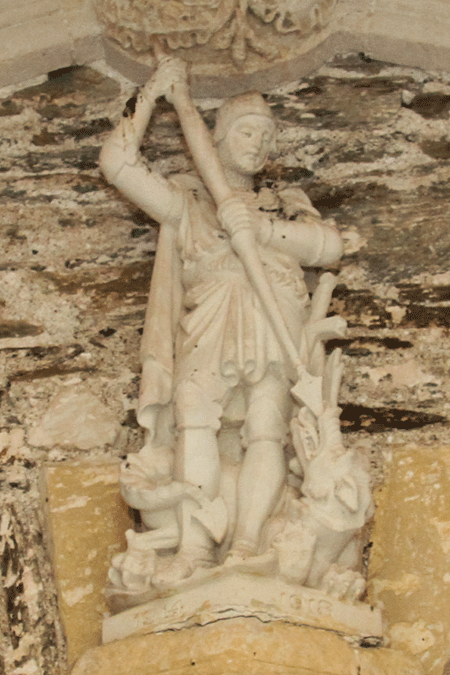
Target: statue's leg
263, 471
197, 462
197, 419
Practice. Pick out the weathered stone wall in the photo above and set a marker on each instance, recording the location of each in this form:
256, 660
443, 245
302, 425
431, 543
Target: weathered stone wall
369, 144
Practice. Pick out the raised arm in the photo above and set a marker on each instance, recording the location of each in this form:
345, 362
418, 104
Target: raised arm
198, 139
120, 159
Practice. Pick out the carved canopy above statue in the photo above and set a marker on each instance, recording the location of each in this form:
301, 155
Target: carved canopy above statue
186, 23
235, 36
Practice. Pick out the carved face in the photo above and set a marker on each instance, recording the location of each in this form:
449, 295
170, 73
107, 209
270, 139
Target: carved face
247, 144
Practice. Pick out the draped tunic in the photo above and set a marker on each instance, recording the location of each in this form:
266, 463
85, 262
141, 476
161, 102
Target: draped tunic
204, 321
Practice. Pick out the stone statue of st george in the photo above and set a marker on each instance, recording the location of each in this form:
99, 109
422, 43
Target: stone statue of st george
243, 465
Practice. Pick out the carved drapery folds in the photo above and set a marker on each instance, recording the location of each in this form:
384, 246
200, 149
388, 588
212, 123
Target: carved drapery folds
236, 26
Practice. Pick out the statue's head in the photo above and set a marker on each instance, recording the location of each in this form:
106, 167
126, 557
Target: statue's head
245, 133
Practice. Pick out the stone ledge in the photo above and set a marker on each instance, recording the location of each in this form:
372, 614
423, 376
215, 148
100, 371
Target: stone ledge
38, 37
227, 592
54, 35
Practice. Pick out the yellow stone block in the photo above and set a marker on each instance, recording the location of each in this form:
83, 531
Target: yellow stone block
87, 519
243, 646
409, 572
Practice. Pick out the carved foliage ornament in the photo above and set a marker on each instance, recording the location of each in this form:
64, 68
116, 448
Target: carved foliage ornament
224, 24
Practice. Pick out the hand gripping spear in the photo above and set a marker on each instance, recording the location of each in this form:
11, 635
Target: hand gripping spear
308, 389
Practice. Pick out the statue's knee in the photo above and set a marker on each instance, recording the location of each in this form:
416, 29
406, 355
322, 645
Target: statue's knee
194, 408
264, 422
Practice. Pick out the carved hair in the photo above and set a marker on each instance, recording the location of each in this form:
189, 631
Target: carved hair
233, 109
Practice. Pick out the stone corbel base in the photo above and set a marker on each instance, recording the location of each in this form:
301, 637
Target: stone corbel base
229, 593
244, 646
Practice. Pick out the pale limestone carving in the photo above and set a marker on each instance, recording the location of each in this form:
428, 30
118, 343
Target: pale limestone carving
234, 368
231, 25
336, 500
